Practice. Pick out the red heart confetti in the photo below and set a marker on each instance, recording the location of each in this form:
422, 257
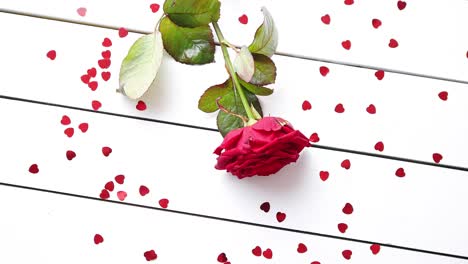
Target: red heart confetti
268, 253
371, 109
324, 175
52, 54
69, 132
376, 23
144, 190
244, 19
104, 63
326, 19
301, 248
265, 207
164, 203
346, 44
92, 72
280, 216
121, 195
104, 194
34, 169
393, 43
437, 157
83, 127
106, 54
150, 255
347, 254
70, 154
324, 71
154, 8
93, 85
379, 75
346, 164
140, 106
81, 11
98, 239
105, 76
106, 42
401, 5
120, 179
443, 96
315, 262
342, 227
96, 105
109, 186
65, 120
306, 105
349, 2
348, 209
339, 108
257, 251
123, 32
222, 258
375, 248
379, 146
85, 78
314, 137
106, 151
400, 172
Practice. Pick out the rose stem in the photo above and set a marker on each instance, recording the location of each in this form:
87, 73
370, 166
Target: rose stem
227, 60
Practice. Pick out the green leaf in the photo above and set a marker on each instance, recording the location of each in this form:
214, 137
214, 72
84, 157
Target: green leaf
207, 102
140, 66
192, 13
244, 64
188, 45
233, 103
258, 90
266, 36
265, 70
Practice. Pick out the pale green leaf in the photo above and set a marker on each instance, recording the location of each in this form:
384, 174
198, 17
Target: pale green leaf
244, 64
266, 36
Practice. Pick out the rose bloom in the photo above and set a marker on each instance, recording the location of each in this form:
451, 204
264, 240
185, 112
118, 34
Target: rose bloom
261, 149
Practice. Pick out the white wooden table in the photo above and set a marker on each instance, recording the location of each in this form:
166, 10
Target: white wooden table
419, 91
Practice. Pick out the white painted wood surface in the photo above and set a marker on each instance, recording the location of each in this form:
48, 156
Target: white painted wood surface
48, 228
411, 120
430, 34
177, 164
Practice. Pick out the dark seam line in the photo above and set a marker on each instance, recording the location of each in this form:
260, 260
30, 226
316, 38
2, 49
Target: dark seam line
235, 221
349, 64
215, 130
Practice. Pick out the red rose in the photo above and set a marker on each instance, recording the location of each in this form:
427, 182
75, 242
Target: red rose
261, 149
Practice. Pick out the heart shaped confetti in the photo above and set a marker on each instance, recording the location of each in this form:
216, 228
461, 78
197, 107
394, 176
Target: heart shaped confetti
342, 227
69, 132
83, 127
324, 175
106, 42
109, 186
348, 209
154, 8
347, 254
371, 109
324, 71
393, 43
349, 2
326, 19
437, 157
379, 146
346, 164
104, 194
150, 255
123, 32
339, 108
314, 138
268, 253
222, 258
85, 78
301, 248
121, 195
443, 96
244, 19
346, 44
143, 190
401, 5
376, 23
81, 11
315, 262
280, 216
92, 72
120, 179
106, 151
65, 120
106, 75
34, 169
104, 63
141, 106
98, 239
257, 251
52, 54
106, 54
375, 248
400, 172
164, 203
379, 75
265, 207
306, 105
93, 85
70, 155
96, 105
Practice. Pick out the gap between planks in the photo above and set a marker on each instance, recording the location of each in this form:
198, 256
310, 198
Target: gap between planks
234, 221
297, 56
330, 148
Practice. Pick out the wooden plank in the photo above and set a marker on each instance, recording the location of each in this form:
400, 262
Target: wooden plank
47, 228
427, 46
411, 120
421, 210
